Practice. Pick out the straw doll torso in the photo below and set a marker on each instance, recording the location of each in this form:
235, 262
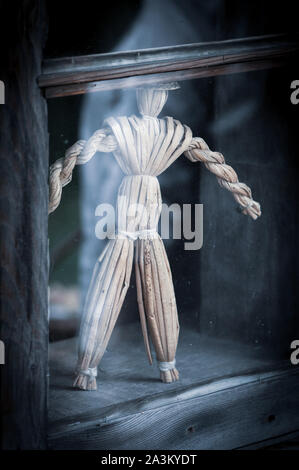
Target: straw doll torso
147, 146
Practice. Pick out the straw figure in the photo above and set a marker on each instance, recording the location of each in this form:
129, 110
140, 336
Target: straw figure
144, 147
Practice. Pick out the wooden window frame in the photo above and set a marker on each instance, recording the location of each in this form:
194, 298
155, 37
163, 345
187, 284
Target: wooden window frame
100, 72
24, 226
119, 70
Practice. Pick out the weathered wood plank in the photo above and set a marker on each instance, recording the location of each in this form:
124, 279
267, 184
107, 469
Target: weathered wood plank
83, 74
225, 398
180, 75
284, 441
23, 228
125, 373
223, 414
97, 67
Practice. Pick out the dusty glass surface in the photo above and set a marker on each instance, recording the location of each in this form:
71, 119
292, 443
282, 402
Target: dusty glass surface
236, 294
241, 284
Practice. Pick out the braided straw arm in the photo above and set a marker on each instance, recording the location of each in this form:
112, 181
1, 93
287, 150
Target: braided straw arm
79, 153
226, 175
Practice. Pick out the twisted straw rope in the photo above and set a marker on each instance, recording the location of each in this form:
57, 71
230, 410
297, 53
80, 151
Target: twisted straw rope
79, 153
226, 175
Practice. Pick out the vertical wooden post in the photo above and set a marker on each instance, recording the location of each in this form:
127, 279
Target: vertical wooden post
23, 228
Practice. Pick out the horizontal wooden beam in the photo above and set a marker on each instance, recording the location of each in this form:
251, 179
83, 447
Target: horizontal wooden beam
132, 82
250, 408
99, 72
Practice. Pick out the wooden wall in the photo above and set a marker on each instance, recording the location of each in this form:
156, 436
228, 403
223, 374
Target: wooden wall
248, 270
23, 228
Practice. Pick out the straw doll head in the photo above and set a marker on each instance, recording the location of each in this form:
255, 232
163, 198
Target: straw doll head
151, 99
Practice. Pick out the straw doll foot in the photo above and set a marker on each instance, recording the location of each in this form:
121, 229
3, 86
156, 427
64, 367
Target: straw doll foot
169, 376
84, 382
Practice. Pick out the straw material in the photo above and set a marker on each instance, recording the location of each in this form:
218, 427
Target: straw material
226, 175
144, 147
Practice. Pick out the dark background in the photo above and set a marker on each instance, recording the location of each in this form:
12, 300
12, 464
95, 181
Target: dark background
242, 284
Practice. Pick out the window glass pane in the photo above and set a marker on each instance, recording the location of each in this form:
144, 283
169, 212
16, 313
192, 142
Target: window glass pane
235, 290
236, 295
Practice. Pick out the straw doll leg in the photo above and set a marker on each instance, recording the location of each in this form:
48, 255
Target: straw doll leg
156, 296
108, 287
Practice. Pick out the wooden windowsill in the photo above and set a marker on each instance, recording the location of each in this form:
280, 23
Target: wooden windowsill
223, 386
